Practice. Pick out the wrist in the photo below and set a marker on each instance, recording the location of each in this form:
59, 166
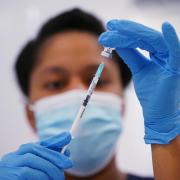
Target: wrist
162, 130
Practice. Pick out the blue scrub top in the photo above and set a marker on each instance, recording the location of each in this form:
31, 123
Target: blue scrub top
132, 177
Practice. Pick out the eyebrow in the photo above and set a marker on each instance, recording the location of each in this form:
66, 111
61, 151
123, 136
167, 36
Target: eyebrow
91, 68
53, 69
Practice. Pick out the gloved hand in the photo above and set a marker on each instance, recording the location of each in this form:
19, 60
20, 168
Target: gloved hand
156, 79
41, 160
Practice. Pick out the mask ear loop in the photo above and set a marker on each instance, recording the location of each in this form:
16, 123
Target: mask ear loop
31, 107
123, 107
26, 103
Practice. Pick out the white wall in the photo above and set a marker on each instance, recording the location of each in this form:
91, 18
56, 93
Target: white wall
20, 20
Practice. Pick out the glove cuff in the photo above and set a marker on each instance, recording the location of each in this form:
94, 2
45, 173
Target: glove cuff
155, 134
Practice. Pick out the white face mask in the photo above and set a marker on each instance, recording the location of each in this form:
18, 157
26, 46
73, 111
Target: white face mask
93, 147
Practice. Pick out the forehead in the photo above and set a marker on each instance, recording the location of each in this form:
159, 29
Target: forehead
70, 55
70, 48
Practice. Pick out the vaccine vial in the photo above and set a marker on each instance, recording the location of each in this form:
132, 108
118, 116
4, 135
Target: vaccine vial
107, 52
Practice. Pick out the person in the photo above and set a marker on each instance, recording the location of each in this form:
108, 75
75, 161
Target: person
54, 71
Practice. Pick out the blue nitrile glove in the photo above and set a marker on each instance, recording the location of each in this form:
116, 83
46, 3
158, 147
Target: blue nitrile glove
157, 79
40, 161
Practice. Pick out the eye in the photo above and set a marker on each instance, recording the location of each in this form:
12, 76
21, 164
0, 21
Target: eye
54, 85
102, 83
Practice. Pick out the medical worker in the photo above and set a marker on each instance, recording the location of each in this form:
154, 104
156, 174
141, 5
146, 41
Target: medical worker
54, 71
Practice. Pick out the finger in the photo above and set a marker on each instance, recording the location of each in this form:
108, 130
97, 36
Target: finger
9, 173
114, 39
32, 161
133, 58
6, 156
56, 158
173, 45
126, 26
31, 173
136, 30
56, 142
125, 47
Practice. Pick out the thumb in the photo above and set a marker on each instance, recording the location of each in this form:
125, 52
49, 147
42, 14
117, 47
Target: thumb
56, 142
133, 58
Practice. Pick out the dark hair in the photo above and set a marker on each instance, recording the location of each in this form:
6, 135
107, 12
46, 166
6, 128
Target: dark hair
74, 19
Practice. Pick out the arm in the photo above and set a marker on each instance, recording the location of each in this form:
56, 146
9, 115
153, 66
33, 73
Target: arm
166, 160
157, 85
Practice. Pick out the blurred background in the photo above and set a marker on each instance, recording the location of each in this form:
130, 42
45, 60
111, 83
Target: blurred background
20, 21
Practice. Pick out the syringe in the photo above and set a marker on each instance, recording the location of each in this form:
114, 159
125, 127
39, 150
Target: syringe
107, 53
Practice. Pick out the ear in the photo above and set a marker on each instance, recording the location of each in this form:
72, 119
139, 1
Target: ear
30, 118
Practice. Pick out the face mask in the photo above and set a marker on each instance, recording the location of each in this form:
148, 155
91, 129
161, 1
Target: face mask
93, 147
